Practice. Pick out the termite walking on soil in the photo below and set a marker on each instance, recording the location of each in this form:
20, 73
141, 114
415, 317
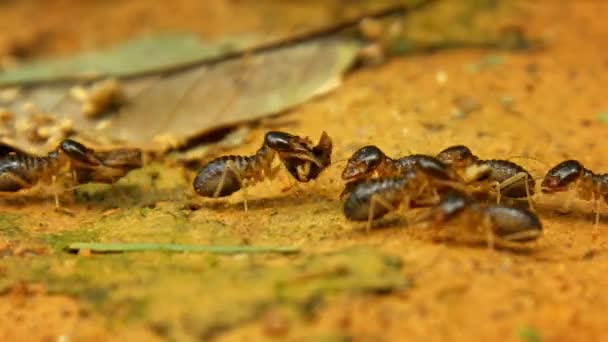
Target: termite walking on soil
572, 175
371, 199
505, 177
228, 174
500, 224
19, 170
369, 161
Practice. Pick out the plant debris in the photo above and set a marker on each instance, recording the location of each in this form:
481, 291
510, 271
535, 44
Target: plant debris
168, 247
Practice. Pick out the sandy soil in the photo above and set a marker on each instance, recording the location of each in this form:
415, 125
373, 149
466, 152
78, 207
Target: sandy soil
459, 293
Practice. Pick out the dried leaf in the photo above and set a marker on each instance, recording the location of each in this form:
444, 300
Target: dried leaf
195, 102
131, 57
166, 111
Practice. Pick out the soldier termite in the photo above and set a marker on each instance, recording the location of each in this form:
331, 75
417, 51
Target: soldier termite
228, 174
572, 175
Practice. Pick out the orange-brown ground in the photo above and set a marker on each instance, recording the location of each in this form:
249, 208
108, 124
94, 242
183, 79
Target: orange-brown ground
557, 292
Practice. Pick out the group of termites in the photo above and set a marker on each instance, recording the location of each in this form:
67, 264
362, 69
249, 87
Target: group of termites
484, 197
455, 185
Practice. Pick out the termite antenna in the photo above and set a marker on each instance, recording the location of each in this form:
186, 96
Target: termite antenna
529, 158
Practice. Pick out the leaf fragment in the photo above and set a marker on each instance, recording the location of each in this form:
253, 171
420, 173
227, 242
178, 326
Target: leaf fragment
98, 247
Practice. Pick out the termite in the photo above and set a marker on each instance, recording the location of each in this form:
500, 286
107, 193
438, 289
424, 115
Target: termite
500, 224
505, 177
572, 175
369, 161
228, 174
371, 199
19, 170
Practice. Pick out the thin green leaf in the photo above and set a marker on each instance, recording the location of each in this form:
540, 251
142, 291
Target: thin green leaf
168, 247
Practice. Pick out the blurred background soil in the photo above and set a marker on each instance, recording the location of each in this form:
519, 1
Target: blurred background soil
543, 105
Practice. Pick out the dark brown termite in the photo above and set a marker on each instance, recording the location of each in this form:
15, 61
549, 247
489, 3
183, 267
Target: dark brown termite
504, 177
19, 170
500, 225
370, 199
228, 174
572, 175
369, 161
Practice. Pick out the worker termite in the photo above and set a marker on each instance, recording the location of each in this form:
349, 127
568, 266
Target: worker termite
370, 161
501, 225
304, 170
506, 178
90, 166
371, 199
571, 174
19, 170
228, 174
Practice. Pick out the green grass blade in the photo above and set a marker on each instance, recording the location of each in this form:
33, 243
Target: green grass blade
168, 247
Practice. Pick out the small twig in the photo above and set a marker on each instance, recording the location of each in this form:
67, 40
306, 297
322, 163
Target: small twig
169, 247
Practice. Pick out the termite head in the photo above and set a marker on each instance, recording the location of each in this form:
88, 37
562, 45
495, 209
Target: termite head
363, 162
291, 146
285, 142
560, 177
457, 156
304, 170
78, 153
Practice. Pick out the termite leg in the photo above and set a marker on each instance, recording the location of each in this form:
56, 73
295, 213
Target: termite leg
407, 208
229, 165
370, 215
54, 185
58, 208
498, 192
220, 185
516, 178
487, 224
245, 199
216, 193
528, 195
596, 208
